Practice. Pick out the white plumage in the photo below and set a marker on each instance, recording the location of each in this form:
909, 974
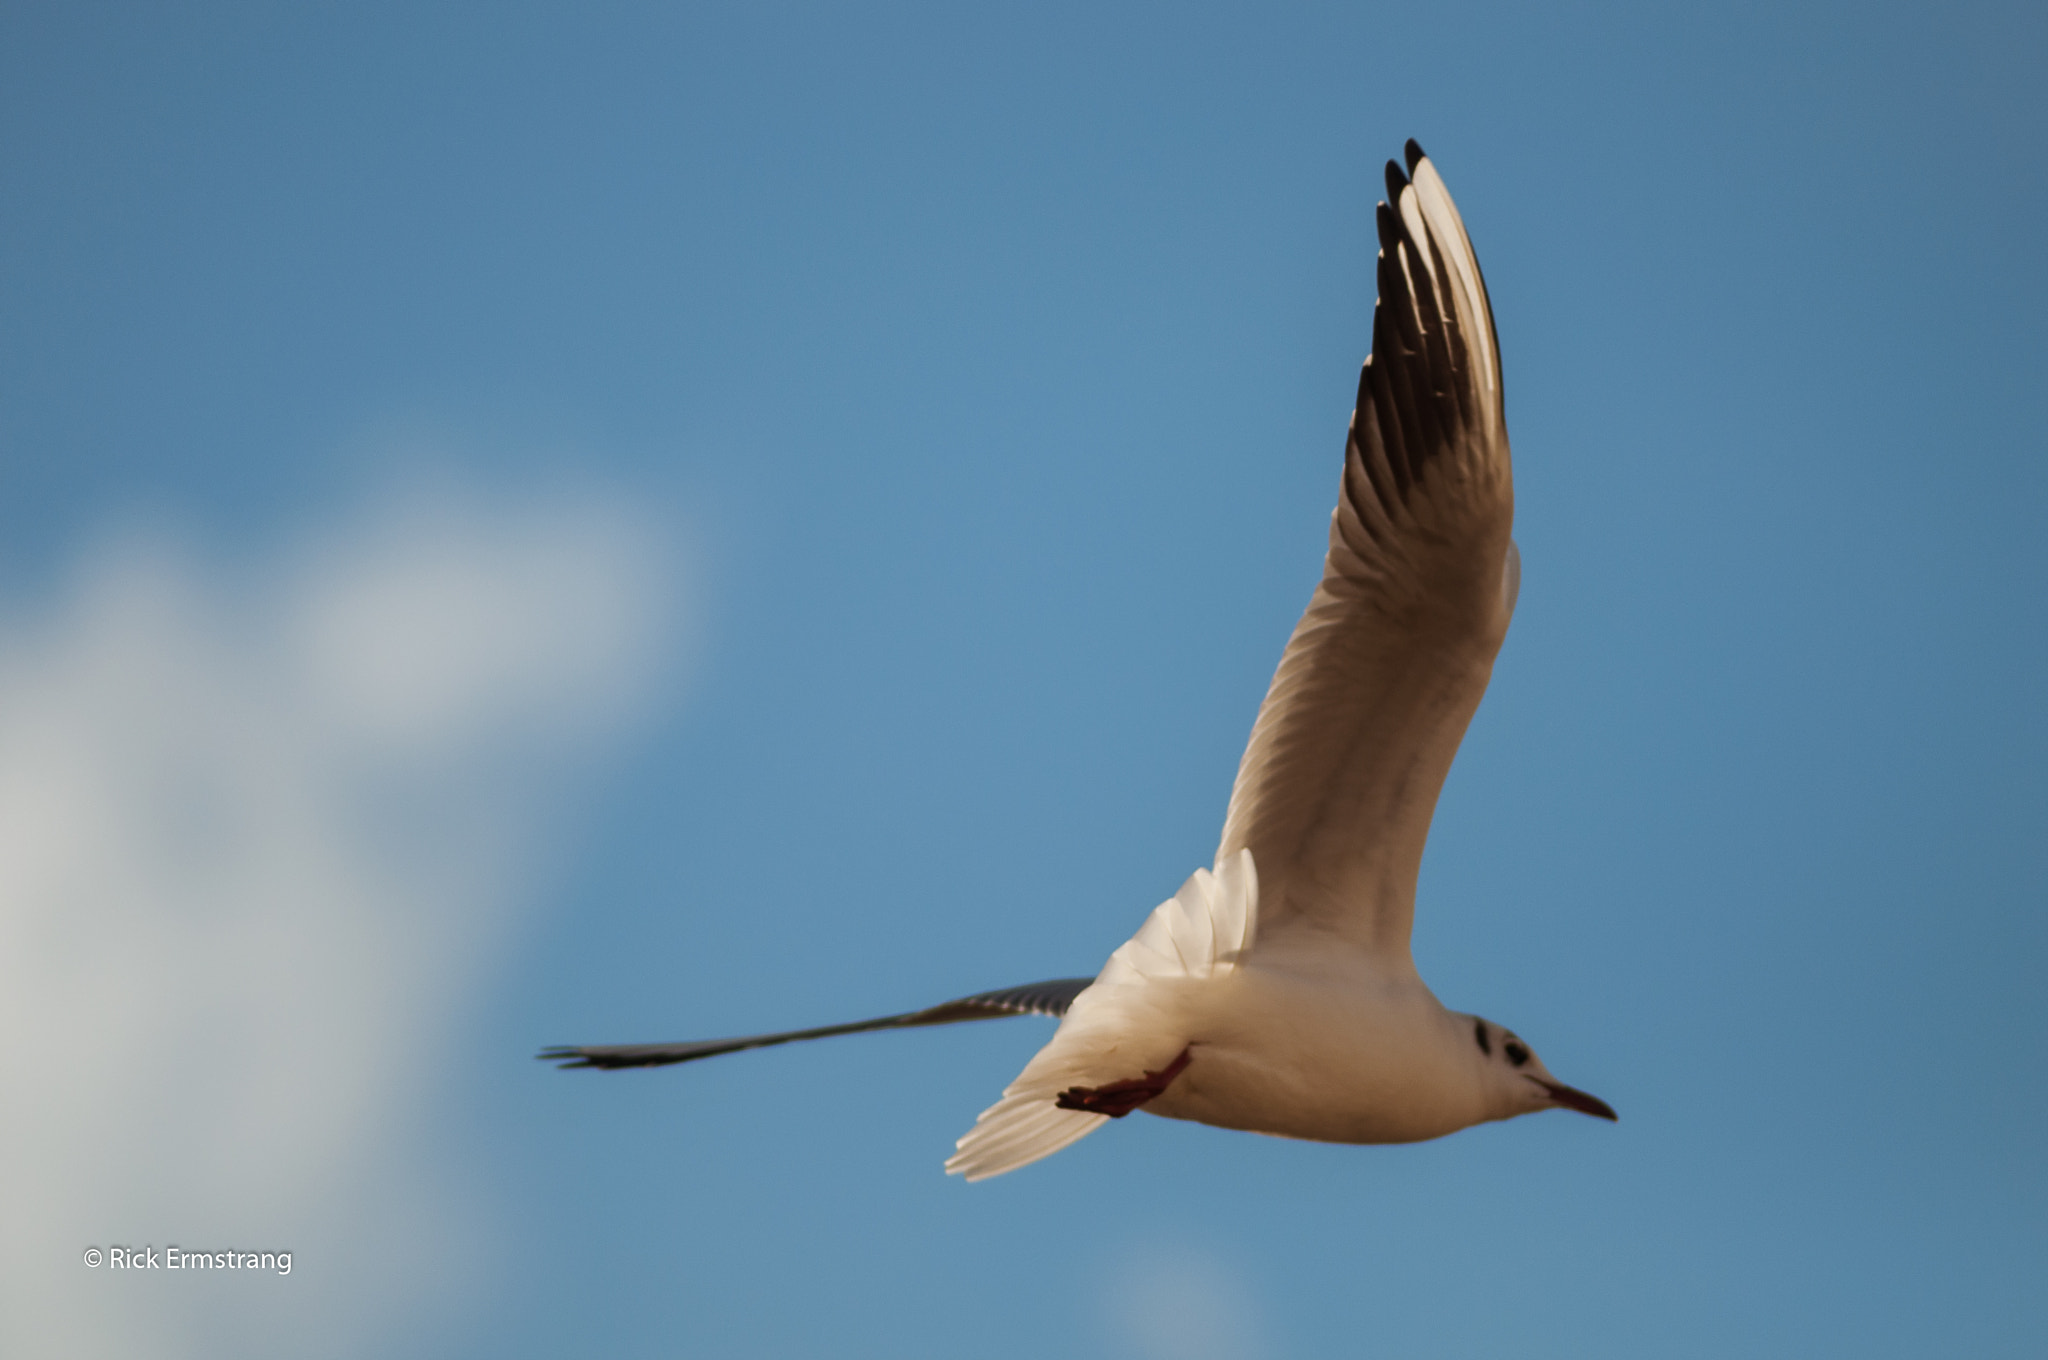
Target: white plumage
1125, 1023
1277, 993
1322, 1028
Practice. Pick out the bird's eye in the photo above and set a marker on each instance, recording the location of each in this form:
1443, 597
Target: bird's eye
1517, 1054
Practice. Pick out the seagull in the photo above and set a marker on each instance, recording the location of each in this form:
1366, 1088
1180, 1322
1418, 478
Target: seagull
1275, 992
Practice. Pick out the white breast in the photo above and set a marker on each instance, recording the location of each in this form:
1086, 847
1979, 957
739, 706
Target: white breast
1301, 1052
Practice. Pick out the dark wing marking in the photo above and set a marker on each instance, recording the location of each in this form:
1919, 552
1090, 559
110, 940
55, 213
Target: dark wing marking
1335, 792
1034, 998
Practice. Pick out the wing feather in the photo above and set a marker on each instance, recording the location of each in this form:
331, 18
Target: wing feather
1383, 673
1035, 998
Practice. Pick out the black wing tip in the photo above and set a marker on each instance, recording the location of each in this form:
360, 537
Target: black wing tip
1415, 154
1388, 223
567, 1056
1396, 182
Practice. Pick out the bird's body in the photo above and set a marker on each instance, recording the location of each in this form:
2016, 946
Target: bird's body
1276, 993
1307, 1048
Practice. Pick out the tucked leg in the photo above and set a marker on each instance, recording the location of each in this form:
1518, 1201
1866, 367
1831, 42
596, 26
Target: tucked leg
1119, 1098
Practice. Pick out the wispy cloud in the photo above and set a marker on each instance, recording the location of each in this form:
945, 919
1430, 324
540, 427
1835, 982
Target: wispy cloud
1177, 1301
256, 828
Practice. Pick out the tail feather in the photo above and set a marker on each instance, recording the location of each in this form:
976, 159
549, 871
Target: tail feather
1123, 1024
1017, 1131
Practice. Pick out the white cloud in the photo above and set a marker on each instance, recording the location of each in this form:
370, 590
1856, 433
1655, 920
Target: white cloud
1176, 1301
256, 831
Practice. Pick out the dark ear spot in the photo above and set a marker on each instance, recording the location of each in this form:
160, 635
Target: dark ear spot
1479, 1033
1517, 1054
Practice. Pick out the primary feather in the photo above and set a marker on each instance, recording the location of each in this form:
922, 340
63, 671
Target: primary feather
1383, 673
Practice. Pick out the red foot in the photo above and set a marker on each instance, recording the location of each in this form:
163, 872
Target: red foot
1119, 1098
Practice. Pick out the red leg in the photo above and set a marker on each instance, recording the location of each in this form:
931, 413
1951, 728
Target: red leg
1119, 1098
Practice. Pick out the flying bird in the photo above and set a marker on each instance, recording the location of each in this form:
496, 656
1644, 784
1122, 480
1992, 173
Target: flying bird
1275, 992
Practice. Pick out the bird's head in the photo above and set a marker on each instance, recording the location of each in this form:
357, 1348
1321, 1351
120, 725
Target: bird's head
1520, 1082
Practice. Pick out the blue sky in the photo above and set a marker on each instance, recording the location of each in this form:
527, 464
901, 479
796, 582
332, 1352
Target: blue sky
526, 525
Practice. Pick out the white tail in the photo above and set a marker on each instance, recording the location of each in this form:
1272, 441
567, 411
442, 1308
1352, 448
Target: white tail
1123, 1024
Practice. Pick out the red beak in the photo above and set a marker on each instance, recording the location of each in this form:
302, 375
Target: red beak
1578, 1100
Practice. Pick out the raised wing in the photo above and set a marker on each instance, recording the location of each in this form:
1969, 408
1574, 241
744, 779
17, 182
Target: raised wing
1385, 670
1037, 998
